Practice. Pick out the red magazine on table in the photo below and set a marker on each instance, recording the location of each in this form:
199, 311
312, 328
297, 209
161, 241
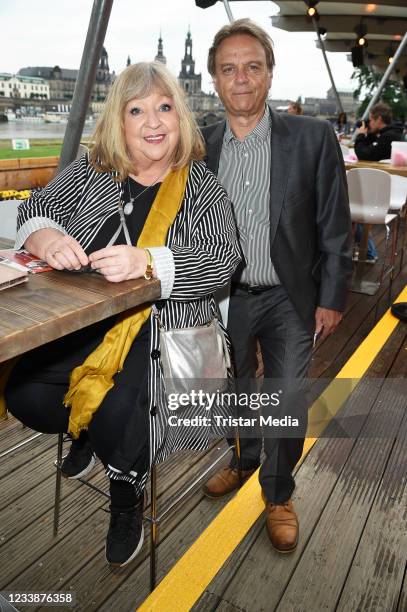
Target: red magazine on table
22, 259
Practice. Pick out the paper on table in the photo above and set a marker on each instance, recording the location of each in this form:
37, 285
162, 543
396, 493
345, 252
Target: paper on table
9, 276
23, 260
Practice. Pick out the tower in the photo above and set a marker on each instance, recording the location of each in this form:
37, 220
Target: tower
160, 57
103, 73
189, 81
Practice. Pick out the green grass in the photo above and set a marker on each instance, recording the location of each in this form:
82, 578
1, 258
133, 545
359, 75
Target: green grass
38, 148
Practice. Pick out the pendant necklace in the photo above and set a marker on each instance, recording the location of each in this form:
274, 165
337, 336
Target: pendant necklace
129, 206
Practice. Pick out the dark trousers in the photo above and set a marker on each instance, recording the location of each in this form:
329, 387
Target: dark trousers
119, 430
286, 346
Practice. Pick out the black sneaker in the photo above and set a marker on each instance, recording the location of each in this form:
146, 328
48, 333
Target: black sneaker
79, 460
125, 536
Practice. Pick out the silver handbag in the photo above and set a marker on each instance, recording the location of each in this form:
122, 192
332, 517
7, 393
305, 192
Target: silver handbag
194, 358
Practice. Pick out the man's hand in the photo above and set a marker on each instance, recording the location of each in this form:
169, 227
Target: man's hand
363, 129
327, 320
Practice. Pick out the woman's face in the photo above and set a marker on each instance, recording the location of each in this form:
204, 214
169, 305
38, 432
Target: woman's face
152, 130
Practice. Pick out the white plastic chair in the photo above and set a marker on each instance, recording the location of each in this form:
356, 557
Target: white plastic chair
8, 218
345, 150
369, 198
398, 201
398, 193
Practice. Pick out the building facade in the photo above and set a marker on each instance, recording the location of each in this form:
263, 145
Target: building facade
17, 86
62, 81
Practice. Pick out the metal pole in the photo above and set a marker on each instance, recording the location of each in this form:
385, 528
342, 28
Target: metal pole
92, 50
385, 77
322, 47
153, 526
228, 11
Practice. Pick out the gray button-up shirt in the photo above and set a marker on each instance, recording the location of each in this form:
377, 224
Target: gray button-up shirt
244, 171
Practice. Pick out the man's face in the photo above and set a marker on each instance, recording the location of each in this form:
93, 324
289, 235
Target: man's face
242, 78
375, 124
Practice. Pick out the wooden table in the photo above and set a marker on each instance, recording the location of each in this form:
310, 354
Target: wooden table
400, 170
53, 304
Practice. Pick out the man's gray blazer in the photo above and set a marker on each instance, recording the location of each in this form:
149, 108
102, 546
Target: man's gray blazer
310, 227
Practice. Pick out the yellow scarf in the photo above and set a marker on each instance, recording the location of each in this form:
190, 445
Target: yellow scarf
91, 381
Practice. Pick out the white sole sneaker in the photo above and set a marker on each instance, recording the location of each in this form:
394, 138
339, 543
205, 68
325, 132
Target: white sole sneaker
135, 553
84, 472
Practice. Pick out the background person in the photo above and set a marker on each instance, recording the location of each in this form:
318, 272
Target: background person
373, 142
286, 179
294, 108
143, 184
342, 127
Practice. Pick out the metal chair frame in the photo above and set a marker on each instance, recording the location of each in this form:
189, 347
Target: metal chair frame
378, 182
20, 445
154, 518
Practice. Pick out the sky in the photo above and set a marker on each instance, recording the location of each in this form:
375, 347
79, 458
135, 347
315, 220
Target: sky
53, 32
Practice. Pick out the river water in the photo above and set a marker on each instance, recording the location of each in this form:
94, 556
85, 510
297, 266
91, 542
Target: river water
28, 129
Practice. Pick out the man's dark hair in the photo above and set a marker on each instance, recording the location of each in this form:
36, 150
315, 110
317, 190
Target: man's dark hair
241, 26
382, 110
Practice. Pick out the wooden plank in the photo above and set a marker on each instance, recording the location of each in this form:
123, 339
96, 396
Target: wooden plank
240, 582
377, 571
34, 468
21, 460
53, 305
402, 603
27, 173
36, 539
351, 335
78, 536
319, 577
254, 570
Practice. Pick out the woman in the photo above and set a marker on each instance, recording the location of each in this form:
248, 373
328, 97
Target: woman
342, 127
142, 184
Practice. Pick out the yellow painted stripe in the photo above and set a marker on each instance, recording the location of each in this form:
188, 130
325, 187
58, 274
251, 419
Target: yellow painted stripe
187, 580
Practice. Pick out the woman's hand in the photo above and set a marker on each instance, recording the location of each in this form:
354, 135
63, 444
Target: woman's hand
60, 251
119, 262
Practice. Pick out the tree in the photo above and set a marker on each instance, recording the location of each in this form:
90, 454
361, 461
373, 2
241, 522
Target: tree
392, 94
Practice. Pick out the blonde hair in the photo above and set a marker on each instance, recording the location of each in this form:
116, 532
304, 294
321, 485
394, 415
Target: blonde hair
109, 150
241, 26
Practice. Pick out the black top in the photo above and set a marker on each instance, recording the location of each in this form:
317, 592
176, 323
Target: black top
374, 147
62, 355
143, 199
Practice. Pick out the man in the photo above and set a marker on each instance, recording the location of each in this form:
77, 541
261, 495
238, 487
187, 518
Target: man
374, 142
286, 180
294, 108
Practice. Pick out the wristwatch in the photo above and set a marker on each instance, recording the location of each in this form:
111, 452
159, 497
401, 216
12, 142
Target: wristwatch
148, 274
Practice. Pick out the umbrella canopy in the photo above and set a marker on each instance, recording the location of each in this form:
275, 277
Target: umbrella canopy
383, 25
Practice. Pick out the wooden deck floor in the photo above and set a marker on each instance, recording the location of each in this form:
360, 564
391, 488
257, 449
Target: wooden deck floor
351, 498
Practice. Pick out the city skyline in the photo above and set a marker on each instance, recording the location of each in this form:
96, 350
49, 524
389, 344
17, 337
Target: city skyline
299, 71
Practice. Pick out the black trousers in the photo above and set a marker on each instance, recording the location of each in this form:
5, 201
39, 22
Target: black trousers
39, 381
286, 347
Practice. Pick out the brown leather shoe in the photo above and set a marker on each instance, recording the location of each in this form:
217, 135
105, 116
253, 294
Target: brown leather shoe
224, 482
282, 526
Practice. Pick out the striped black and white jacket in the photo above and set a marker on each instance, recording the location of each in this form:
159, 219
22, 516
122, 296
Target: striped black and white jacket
200, 255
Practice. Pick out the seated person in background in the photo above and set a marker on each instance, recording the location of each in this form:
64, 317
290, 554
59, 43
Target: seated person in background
294, 108
142, 184
342, 127
374, 142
